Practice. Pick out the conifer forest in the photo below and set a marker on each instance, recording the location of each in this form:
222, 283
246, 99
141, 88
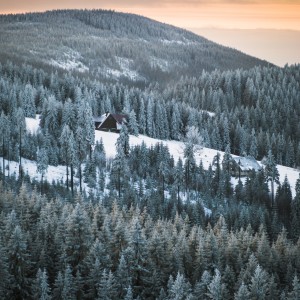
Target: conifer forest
142, 224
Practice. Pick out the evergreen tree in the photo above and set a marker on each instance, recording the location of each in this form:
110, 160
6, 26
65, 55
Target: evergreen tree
19, 264
21, 129
271, 173
132, 124
106, 288
180, 289
67, 142
42, 163
77, 237
5, 131
259, 286
284, 200
253, 145
123, 140
295, 226
216, 289
295, 293
242, 293
42, 290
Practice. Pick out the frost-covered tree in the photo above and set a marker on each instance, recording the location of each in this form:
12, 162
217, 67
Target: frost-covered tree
271, 173
132, 124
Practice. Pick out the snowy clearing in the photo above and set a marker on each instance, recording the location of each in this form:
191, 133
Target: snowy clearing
109, 141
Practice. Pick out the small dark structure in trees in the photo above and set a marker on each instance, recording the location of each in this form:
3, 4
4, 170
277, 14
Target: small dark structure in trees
110, 122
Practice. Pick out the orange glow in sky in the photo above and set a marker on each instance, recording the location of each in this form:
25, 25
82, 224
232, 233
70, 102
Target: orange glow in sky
223, 21
242, 14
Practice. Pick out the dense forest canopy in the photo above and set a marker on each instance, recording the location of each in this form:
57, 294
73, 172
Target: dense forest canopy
113, 46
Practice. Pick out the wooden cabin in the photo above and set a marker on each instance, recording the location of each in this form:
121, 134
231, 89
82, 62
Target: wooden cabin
110, 122
242, 166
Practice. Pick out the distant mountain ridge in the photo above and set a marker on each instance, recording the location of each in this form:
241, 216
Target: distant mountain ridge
113, 46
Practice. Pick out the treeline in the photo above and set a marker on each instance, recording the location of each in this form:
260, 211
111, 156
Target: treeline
256, 110
250, 107
56, 249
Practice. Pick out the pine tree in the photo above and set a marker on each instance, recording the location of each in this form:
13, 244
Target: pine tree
123, 140
5, 131
259, 286
107, 287
295, 226
253, 145
6, 279
142, 117
132, 124
67, 142
129, 294
179, 178
68, 290
295, 293
21, 129
77, 237
284, 200
42, 162
19, 263
243, 293
123, 278
271, 172
180, 289
42, 289
216, 289
28, 101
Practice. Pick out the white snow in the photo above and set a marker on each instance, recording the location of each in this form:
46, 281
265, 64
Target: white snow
109, 141
70, 60
32, 125
125, 70
160, 63
211, 114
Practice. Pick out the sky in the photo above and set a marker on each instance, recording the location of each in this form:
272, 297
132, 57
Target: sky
219, 20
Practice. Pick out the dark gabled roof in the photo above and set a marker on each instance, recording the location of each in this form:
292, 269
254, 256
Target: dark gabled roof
120, 118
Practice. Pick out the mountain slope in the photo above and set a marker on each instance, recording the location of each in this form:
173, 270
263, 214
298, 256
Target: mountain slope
106, 44
109, 140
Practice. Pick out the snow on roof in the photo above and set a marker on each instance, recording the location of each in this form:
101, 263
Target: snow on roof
247, 163
120, 118
100, 119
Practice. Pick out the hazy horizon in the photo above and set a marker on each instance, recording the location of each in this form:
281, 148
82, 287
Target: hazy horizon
279, 47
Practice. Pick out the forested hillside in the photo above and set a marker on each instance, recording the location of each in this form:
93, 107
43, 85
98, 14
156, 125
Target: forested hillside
113, 46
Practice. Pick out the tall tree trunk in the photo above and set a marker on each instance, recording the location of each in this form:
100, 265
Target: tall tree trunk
20, 154
8, 159
80, 178
3, 168
72, 180
272, 191
119, 183
42, 179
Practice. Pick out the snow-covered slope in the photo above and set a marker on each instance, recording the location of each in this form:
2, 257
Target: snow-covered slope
109, 141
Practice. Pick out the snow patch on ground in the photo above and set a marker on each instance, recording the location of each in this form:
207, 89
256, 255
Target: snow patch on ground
210, 113
177, 42
32, 125
176, 150
70, 61
109, 140
159, 63
125, 69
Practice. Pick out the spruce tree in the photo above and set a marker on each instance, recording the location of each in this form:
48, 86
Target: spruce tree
271, 173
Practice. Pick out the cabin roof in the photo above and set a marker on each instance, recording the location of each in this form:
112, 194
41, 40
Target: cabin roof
247, 163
